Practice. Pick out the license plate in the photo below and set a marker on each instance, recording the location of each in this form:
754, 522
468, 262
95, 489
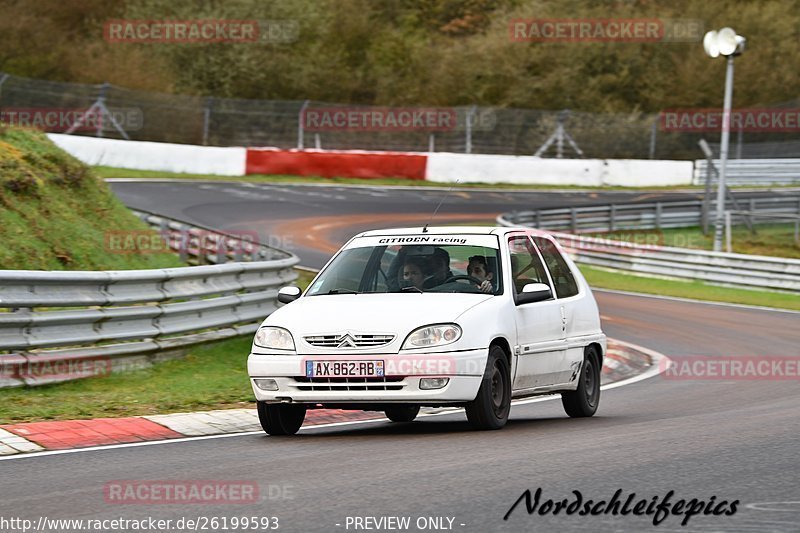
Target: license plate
344, 369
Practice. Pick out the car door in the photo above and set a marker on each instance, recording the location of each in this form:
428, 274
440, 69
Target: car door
541, 340
567, 290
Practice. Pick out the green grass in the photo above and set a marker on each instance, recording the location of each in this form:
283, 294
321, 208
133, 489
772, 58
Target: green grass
770, 239
209, 377
57, 214
696, 290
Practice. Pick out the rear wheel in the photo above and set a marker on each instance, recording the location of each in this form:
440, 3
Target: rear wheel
490, 408
402, 413
583, 401
281, 419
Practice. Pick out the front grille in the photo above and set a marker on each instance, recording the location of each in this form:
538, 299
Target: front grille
349, 341
350, 384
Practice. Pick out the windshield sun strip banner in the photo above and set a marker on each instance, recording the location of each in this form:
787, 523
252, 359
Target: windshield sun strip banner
487, 241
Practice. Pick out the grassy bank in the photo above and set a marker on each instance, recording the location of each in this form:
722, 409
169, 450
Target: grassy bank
57, 214
696, 290
770, 239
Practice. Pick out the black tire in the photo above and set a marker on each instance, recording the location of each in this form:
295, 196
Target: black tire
584, 401
490, 408
402, 413
281, 419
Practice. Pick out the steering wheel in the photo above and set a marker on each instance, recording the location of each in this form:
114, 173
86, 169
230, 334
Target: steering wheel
472, 279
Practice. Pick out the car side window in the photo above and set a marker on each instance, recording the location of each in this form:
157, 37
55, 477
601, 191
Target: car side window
526, 267
563, 278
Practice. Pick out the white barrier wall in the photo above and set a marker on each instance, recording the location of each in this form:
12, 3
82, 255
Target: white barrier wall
440, 166
143, 155
447, 167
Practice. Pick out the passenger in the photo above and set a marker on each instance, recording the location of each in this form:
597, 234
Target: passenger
478, 268
414, 272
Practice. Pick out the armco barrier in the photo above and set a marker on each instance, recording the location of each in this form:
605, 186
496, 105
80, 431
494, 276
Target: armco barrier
738, 270
645, 215
753, 171
116, 320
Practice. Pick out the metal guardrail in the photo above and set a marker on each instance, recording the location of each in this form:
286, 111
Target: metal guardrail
637, 216
113, 320
202, 245
753, 171
739, 270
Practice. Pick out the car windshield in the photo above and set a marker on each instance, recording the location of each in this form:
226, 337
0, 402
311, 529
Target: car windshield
439, 263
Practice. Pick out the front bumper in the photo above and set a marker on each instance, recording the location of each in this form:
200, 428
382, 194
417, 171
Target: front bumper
400, 385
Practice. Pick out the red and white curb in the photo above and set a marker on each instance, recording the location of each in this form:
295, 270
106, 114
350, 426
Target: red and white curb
625, 364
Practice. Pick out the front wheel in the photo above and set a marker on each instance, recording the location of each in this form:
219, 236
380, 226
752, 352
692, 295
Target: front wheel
402, 413
281, 419
490, 408
583, 401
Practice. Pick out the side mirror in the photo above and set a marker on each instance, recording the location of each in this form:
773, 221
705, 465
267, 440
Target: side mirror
288, 294
534, 292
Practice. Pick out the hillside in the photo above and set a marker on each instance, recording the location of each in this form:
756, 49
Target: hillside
56, 214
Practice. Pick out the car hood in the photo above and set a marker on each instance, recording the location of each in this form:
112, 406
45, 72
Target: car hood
396, 314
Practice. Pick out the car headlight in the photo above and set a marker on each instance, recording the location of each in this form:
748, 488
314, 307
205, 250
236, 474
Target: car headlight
274, 338
434, 335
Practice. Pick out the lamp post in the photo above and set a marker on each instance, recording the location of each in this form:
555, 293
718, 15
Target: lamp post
724, 42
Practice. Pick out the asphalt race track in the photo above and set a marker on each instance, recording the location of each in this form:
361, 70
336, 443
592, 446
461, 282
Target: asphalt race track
732, 440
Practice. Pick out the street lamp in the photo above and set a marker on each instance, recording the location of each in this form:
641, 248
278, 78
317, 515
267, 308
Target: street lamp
723, 42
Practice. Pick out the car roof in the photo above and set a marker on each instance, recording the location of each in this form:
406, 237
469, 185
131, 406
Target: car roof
438, 230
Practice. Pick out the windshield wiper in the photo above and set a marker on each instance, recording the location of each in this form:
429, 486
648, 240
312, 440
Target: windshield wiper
411, 288
343, 291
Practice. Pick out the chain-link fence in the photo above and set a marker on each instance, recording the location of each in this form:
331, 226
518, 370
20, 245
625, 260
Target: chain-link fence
141, 115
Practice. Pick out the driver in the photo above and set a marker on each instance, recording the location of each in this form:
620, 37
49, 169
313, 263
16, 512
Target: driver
478, 268
439, 268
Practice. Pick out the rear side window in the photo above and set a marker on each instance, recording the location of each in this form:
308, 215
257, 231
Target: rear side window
563, 278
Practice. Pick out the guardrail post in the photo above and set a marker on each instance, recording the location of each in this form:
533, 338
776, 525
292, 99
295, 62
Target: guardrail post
183, 245
653, 139
538, 219
658, 215
468, 147
207, 119
612, 215
300, 118
431, 143
728, 231
3, 79
574, 220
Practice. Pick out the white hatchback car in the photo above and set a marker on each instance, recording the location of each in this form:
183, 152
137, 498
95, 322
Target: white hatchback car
449, 316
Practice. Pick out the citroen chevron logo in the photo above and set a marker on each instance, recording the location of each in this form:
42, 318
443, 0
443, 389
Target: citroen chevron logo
346, 341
